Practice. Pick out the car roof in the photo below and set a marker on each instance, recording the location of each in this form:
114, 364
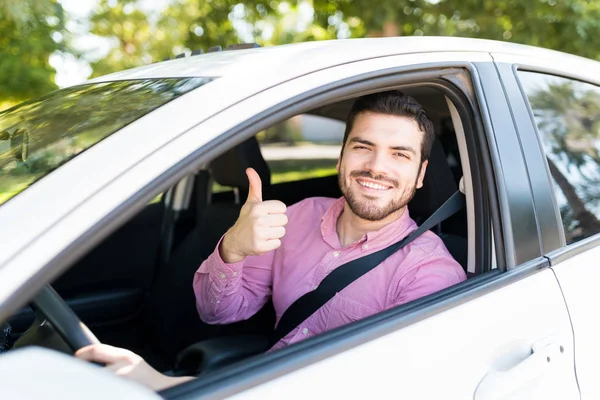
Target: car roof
311, 56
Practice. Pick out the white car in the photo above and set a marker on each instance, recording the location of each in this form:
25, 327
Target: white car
112, 193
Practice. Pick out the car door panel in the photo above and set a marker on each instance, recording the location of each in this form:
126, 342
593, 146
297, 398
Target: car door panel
486, 341
578, 273
575, 265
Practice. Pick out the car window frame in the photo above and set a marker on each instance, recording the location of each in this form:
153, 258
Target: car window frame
348, 336
560, 250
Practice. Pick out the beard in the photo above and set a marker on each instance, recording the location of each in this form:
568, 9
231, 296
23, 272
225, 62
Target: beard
366, 207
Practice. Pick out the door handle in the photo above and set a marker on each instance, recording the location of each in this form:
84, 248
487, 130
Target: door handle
501, 384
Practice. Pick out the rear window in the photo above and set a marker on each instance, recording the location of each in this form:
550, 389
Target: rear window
39, 136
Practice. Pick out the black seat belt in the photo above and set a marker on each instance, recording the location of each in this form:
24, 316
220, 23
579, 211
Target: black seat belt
347, 273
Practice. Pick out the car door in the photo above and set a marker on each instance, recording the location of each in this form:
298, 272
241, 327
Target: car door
504, 334
564, 109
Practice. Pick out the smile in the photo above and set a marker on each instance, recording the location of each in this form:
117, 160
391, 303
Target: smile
372, 185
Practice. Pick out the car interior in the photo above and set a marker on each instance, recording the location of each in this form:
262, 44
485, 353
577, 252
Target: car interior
134, 289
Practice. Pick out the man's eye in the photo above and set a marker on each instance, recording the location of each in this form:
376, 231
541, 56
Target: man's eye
360, 147
401, 155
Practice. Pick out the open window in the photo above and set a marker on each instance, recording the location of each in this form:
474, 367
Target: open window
197, 211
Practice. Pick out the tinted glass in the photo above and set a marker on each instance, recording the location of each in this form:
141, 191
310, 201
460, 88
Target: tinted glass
567, 114
38, 136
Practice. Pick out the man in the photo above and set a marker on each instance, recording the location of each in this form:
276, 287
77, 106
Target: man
383, 161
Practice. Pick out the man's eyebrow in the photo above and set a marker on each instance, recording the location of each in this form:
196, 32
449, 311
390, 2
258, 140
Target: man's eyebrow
397, 148
361, 141
404, 148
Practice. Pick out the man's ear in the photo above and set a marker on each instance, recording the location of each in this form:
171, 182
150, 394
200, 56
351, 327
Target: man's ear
422, 174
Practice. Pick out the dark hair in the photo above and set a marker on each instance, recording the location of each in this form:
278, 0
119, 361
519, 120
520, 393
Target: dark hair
393, 102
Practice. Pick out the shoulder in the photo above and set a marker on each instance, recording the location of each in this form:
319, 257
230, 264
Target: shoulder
430, 270
432, 261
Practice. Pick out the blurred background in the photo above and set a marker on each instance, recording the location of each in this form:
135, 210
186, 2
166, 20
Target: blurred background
47, 44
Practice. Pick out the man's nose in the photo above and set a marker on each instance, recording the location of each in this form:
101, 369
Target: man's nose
377, 164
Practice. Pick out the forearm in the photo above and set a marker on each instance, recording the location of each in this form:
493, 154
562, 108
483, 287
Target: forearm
228, 293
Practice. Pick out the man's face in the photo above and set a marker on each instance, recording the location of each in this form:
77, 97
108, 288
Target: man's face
379, 167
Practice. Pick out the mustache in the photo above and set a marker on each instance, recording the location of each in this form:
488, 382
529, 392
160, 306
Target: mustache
381, 178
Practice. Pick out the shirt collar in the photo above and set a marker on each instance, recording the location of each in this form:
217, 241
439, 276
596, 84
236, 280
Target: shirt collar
390, 233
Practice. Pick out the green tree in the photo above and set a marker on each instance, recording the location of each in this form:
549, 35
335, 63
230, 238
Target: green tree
30, 31
131, 33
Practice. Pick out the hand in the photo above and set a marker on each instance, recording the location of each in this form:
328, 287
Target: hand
129, 365
259, 227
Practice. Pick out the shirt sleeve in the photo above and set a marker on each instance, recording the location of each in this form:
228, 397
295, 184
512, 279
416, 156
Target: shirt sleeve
431, 274
227, 293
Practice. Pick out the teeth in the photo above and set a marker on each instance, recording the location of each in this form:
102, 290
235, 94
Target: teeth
372, 185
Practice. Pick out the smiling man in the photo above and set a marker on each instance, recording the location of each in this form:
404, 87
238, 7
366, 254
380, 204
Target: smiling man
383, 161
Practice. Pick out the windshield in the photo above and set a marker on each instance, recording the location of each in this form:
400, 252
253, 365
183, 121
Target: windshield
38, 136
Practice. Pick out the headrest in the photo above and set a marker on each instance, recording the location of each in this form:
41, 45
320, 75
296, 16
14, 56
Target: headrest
438, 185
229, 169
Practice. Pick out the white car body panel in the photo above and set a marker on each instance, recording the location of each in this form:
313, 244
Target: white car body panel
572, 67
266, 63
38, 373
579, 277
447, 355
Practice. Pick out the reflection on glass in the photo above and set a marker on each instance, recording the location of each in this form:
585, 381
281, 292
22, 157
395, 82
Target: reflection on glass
567, 114
38, 136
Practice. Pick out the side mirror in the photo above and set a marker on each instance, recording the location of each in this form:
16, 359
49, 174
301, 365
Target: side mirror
14, 147
19, 144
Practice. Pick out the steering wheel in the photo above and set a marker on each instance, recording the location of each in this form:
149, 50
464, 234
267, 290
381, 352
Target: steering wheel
66, 323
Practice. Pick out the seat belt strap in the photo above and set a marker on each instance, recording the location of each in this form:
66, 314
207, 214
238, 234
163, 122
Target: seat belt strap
347, 273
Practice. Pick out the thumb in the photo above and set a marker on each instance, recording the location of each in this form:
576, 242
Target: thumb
254, 185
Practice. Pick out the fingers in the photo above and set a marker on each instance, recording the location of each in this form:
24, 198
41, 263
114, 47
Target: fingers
254, 186
270, 207
276, 232
102, 353
272, 245
276, 220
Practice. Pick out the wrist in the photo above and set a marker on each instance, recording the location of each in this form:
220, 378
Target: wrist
227, 251
165, 382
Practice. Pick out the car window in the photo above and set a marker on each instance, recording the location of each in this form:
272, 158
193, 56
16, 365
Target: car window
38, 136
303, 147
567, 114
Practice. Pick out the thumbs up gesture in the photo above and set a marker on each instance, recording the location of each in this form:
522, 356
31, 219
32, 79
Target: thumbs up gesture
259, 227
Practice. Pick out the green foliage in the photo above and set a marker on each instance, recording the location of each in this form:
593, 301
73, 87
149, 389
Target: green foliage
30, 31
26, 43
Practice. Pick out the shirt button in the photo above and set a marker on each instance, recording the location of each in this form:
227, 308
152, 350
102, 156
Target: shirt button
336, 253
305, 331
235, 273
365, 247
223, 276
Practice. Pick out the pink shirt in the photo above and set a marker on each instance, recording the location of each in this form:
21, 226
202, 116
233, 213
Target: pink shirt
309, 251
